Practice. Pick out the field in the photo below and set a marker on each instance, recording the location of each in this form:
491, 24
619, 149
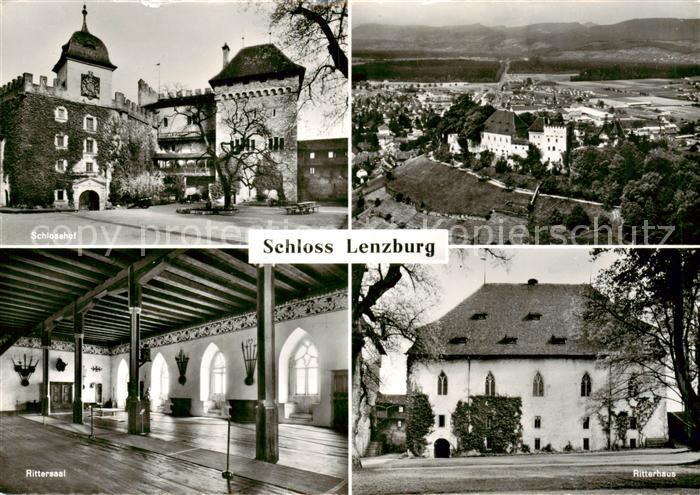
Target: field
590, 70
428, 70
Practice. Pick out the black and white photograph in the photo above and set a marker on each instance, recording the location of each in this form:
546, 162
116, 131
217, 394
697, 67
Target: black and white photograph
528, 122
171, 371
527, 370
163, 123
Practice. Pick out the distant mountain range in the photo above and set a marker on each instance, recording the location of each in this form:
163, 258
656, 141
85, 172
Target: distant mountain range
637, 37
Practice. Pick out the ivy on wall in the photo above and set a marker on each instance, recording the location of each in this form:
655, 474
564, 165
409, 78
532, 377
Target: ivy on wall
419, 422
485, 417
27, 121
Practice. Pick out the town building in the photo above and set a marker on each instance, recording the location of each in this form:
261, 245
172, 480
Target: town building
323, 170
389, 423
519, 341
56, 141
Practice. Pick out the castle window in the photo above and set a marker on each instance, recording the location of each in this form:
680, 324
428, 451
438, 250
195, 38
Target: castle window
60, 114
490, 389
538, 386
90, 146
312, 170
586, 444
331, 154
90, 123
306, 369
586, 385
89, 167
61, 141
633, 423
61, 165
537, 444
441, 421
165, 122
60, 195
312, 155
587, 423
190, 120
538, 422
442, 383
400, 409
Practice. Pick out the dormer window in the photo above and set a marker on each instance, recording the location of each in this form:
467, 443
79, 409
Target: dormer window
554, 340
458, 340
479, 316
507, 339
60, 114
61, 141
90, 123
533, 316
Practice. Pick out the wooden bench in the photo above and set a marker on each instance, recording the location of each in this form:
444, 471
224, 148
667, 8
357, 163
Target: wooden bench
302, 208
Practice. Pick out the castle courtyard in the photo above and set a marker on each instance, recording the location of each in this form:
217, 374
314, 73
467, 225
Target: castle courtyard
157, 225
565, 472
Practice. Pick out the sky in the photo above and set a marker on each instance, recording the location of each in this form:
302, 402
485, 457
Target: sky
185, 37
516, 13
469, 268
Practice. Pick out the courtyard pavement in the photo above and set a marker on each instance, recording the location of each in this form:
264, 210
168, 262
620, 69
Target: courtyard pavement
559, 472
158, 225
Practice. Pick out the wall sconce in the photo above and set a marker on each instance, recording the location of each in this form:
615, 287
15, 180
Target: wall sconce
96, 369
181, 360
60, 365
25, 370
250, 357
144, 355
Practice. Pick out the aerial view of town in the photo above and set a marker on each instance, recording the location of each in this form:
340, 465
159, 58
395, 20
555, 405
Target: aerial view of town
538, 132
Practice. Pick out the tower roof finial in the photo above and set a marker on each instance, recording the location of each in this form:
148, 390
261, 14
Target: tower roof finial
85, 18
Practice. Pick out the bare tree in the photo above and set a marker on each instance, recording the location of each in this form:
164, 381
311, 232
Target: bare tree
245, 155
317, 31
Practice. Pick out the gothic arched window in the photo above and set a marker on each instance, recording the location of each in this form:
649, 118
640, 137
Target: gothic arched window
218, 374
442, 383
586, 385
306, 369
538, 386
490, 385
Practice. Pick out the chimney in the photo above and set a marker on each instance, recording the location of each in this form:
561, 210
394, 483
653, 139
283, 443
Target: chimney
225, 49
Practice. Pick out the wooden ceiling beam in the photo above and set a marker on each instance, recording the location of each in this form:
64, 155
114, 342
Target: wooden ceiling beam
29, 258
220, 285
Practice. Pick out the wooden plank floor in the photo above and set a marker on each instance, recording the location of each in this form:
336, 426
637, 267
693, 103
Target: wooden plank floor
101, 466
319, 450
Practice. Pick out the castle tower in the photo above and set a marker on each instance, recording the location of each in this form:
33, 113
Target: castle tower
84, 69
261, 79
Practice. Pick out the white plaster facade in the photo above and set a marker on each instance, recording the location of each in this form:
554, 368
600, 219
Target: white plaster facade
562, 409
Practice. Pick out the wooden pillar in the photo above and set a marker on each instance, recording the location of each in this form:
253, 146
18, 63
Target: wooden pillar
133, 401
78, 366
266, 430
45, 346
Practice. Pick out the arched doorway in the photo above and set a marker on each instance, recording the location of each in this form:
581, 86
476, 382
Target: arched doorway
122, 384
442, 448
160, 383
89, 200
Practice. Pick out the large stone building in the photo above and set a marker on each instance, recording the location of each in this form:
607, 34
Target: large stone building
506, 135
519, 341
56, 140
323, 170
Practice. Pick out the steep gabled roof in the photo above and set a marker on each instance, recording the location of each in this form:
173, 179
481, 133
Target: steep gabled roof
535, 320
537, 125
506, 123
256, 63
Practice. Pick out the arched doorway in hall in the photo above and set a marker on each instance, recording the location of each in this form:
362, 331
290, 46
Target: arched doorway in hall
442, 448
89, 200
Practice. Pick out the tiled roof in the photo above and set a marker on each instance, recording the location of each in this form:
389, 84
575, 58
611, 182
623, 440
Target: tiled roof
506, 123
391, 399
515, 320
537, 125
258, 62
85, 47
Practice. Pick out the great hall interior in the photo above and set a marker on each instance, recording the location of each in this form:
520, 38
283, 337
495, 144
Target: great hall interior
171, 371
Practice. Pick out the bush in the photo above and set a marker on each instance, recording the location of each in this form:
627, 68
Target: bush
419, 423
497, 418
196, 197
361, 203
568, 447
399, 197
577, 217
548, 448
525, 448
556, 218
501, 166
387, 217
